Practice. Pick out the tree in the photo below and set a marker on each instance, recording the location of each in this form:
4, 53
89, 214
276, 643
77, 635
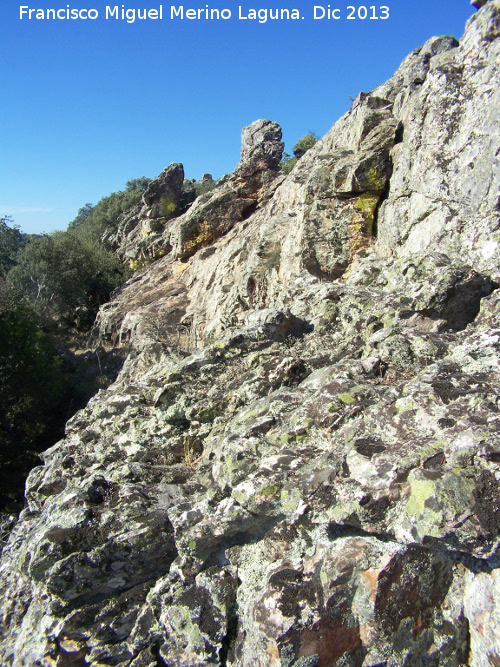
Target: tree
288, 161
141, 183
105, 215
84, 214
66, 276
11, 241
304, 144
32, 387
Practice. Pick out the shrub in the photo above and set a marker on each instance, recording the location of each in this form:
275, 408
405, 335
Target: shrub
32, 388
288, 163
304, 144
11, 241
66, 276
168, 207
301, 147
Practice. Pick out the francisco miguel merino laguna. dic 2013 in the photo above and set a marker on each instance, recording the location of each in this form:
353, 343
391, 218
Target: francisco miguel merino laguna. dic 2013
131, 14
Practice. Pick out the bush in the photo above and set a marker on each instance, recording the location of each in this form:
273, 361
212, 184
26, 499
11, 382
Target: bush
66, 276
104, 216
304, 144
206, 184
168, 207
301, 147
288, 163
32, 388
11, 241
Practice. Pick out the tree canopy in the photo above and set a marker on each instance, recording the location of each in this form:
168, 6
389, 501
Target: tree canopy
304, 144
32, 386
106, 213
11, 241
53, 282
67, 276
300, 148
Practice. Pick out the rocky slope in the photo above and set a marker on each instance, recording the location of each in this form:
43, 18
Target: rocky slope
299, 462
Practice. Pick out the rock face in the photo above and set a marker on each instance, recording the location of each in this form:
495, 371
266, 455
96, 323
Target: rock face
167, 220
299, 463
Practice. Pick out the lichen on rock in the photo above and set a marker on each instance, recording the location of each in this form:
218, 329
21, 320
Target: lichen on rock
299, 462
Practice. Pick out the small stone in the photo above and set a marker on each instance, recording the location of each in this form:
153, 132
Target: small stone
370, 364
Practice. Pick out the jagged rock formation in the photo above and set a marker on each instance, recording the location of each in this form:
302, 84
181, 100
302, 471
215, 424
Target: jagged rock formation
153, 227
316, 482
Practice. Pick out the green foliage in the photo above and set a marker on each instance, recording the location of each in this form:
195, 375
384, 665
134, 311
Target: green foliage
104, 216
139, 263
141, 183
168, 207
58, 279
84, 215
288, 163
66, 275
304, 144
206, 184
11, 241
32, 386
301, 147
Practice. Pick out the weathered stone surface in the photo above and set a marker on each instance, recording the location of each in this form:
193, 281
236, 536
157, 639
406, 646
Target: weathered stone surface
167, 185
299, 462
445, 182
262, 141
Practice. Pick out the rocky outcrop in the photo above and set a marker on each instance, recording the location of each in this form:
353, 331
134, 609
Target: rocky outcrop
313, 224
299, 462
444, 192
412, 167
172, 216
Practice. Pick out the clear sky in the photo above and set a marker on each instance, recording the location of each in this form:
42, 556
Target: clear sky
90, 104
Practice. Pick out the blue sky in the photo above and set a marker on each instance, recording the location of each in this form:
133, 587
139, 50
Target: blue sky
89, 104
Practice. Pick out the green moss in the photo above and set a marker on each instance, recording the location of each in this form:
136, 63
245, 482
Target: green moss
479, 436
253, 359
328, 310
203, 235
247, 415
136, 264
376, 180
272, 437
290, 500
404, 404
240, 496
